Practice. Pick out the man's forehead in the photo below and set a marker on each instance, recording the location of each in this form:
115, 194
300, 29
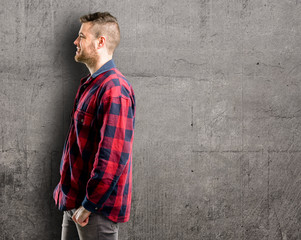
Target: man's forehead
85, 28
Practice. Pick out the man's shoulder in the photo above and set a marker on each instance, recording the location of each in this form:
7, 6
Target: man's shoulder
116, 84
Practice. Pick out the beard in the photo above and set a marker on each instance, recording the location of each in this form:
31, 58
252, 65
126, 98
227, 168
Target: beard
81, 57
86, 57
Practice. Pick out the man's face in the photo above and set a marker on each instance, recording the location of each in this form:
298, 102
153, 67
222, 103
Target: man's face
85, 45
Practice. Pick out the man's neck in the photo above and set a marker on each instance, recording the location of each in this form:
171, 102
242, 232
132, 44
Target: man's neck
94, 67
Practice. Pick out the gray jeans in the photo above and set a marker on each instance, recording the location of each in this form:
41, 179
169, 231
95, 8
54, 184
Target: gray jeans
99, 227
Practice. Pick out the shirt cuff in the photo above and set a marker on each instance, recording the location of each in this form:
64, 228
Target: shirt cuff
89, 205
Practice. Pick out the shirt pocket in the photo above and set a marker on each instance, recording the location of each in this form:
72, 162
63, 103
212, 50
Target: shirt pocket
83, 118
83, 122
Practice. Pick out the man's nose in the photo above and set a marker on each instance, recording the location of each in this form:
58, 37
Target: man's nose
75, 41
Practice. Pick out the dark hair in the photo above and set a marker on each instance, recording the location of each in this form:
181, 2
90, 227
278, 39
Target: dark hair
104, 24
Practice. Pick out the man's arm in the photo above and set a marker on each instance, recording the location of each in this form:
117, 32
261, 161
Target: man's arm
114, 150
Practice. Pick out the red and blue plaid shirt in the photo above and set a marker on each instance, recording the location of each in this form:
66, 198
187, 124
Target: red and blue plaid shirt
96, 166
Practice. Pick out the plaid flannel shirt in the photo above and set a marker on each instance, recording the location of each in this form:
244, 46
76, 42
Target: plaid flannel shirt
96, 165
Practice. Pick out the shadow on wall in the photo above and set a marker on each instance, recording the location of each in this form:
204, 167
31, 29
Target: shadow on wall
70, 73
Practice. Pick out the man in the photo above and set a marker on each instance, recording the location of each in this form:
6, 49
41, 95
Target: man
96, 167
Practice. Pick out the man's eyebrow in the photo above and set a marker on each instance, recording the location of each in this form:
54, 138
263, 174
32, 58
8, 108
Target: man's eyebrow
80, 33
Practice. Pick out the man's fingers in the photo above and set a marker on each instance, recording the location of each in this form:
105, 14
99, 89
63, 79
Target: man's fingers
77, 218
81, 216
74, 217
85, 222
82, 223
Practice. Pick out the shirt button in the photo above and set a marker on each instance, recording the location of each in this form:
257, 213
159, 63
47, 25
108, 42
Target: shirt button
82, 120
96, 208
85, 86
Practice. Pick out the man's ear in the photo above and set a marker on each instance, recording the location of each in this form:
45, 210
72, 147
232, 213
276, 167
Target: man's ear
101, 42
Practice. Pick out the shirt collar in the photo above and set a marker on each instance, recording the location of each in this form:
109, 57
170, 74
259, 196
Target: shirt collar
106, 67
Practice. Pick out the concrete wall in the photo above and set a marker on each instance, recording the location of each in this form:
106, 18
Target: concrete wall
218, 130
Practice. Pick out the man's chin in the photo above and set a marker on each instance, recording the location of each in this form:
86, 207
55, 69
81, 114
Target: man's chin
82, 59
77, 58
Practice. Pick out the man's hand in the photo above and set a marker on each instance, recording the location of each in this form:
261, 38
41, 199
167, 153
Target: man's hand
81, 216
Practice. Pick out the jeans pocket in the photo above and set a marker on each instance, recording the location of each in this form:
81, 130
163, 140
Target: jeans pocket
105, 225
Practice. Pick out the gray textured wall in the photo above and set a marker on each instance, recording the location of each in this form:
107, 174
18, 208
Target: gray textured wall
217, 141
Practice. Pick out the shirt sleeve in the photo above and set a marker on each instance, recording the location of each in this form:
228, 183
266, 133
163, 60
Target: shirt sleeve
114, 150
